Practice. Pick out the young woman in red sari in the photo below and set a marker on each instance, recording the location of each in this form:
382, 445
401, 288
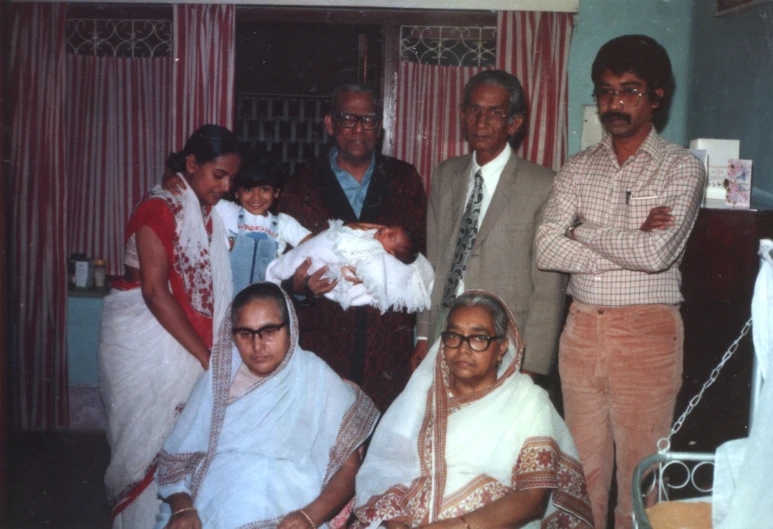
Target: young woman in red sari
157, 324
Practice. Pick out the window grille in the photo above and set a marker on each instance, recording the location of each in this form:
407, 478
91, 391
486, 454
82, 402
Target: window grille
290, 125
132, 38
448, 45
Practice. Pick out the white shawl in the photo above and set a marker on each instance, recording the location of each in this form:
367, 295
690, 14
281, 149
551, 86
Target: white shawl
387, 283
742, 478
145, 374
436, 457
271, 451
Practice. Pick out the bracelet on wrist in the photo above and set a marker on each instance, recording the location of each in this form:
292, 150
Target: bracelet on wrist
309, 293
308, 518
185, 509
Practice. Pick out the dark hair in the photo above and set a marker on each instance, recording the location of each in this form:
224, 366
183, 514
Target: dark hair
517, 99
640, 55
354, 88
260, 169
206, 144
496, 310
260, 292
407, 254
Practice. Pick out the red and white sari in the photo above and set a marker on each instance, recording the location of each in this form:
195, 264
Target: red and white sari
436, 457
145, 375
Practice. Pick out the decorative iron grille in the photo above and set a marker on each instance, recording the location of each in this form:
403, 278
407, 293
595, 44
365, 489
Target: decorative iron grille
291, 125
448, 45
103, 37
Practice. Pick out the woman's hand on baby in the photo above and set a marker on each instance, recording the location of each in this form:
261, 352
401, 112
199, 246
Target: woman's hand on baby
173, 183
294, 520
364, 226
314, 284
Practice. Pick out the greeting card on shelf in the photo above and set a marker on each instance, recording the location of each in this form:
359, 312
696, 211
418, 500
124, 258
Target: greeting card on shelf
738, 185
719, 154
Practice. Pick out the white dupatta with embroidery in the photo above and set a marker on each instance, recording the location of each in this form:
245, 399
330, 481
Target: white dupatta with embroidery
145, 375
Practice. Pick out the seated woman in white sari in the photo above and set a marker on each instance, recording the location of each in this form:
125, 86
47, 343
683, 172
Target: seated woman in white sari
472, 443
270, 435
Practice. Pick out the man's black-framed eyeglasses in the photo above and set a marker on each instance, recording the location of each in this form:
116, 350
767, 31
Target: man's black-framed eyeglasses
477, 342
348, 120
628, 96
267, 333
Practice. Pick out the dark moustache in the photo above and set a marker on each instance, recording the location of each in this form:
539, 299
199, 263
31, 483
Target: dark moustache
607, 116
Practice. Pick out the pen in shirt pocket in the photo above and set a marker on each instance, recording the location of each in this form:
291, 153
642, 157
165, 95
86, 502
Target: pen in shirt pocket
629, 197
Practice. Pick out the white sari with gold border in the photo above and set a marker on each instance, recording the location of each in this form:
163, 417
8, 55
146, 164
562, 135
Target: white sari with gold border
435, 456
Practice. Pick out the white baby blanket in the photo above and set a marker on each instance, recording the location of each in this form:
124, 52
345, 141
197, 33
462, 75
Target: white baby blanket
387, 283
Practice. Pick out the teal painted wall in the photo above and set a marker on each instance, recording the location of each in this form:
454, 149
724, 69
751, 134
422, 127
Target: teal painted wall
667, 21
732, 86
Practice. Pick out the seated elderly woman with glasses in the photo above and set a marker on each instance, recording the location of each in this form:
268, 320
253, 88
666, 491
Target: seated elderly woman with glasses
472, 443
270, 436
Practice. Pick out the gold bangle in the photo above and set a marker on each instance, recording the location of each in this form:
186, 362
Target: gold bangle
184, 510
464, 521
311, 522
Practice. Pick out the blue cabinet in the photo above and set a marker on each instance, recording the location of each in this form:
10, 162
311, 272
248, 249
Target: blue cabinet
83, 320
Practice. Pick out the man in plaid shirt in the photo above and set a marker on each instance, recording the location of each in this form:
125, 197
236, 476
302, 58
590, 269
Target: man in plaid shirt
617, 220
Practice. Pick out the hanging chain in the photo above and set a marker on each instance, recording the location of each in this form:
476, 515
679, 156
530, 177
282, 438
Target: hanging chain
665, 443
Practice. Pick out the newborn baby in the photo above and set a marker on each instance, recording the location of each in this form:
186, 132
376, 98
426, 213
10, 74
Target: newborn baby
374, 265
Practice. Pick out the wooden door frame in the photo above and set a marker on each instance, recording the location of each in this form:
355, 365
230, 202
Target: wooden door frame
390, 21
5, 224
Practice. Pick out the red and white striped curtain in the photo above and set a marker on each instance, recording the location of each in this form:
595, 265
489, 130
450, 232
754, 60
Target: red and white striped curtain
534, 46
204, 53
39, 190
118, 134
428, 129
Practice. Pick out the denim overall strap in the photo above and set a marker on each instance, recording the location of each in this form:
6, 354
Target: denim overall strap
249, 260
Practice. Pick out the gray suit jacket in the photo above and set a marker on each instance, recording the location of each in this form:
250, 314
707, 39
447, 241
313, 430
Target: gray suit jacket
503, 257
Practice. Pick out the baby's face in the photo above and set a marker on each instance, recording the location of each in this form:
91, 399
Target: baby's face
392, 238
257, 199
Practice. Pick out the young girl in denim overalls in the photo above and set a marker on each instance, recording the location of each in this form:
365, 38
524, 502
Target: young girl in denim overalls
256, 236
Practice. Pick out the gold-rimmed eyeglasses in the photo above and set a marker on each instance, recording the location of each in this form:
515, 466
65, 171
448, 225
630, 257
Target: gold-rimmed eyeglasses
474, 113
628, 96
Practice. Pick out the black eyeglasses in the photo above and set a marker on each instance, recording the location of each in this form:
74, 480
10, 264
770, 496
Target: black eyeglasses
477, 342
348, 121
628, 97
267, 333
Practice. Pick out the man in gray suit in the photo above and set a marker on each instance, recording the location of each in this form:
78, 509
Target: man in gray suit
483, 211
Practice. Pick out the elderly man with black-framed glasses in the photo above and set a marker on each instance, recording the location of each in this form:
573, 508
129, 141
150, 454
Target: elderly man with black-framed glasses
355, 183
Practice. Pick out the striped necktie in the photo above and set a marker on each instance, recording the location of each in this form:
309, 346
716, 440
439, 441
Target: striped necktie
468, 230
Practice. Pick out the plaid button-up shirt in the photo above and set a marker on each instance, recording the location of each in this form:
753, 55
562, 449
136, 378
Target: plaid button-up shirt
611, 261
